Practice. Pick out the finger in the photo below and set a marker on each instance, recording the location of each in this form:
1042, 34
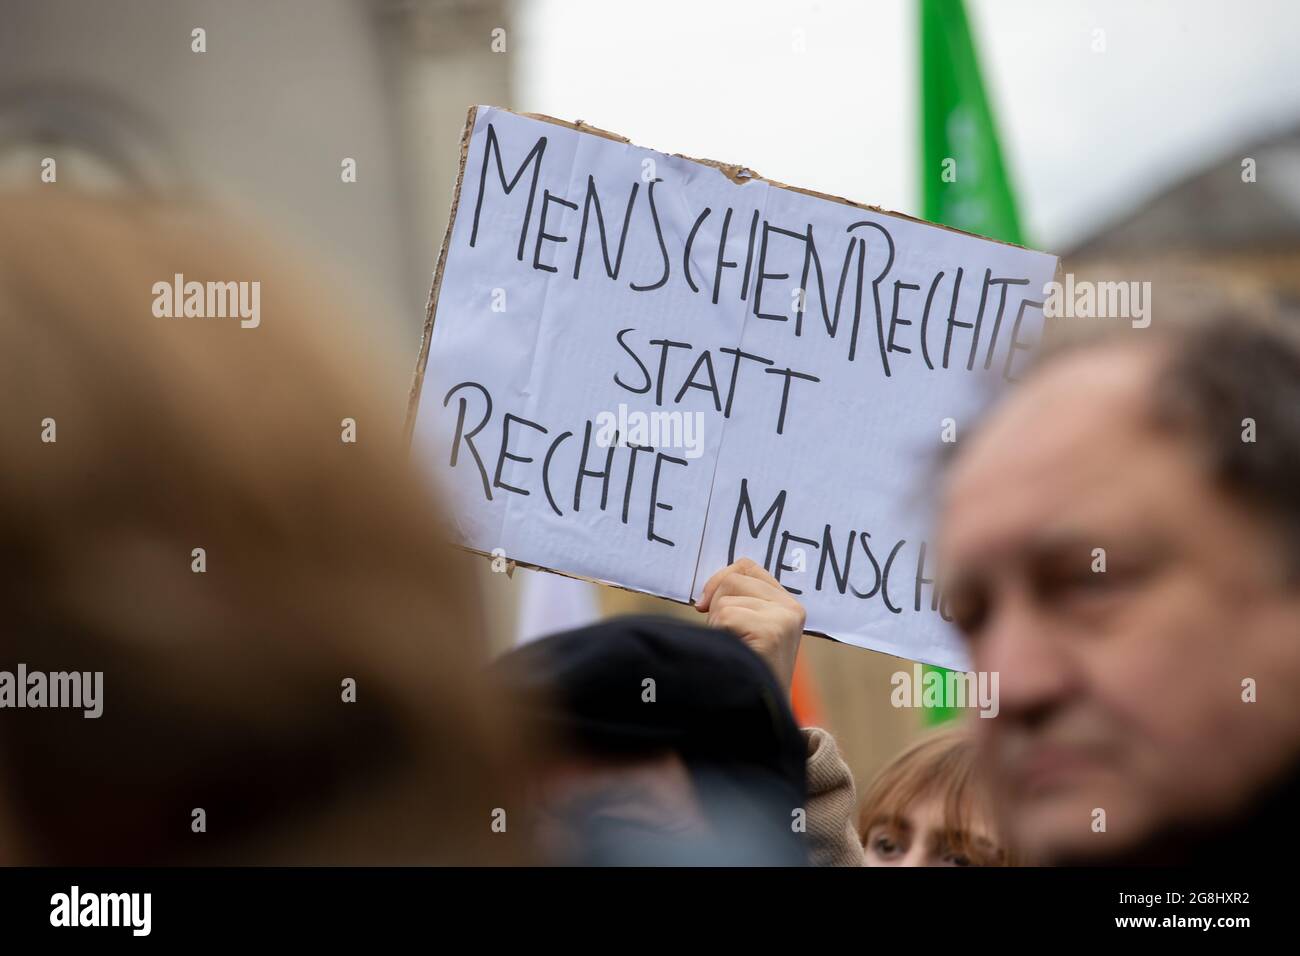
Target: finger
746, 567
790, 617
740, 584
738, 620
755, 570
721, 601
707, 594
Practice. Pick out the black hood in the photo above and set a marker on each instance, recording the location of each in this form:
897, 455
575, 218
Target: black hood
716, 704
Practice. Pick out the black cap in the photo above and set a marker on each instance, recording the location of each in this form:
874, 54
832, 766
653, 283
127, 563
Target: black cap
715, 703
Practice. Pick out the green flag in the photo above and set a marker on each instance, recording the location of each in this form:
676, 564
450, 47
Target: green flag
963, 179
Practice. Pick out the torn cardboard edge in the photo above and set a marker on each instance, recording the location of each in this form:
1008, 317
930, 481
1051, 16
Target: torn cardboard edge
740, 175
737, 174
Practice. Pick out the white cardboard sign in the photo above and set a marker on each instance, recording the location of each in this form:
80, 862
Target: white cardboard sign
639, 367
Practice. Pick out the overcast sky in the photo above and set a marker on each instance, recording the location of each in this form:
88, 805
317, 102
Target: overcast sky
1181, 83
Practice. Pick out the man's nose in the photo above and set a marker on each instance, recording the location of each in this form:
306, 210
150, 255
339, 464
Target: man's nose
1033, 666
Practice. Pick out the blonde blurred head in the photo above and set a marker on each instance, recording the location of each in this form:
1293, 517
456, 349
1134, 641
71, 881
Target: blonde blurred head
324, 561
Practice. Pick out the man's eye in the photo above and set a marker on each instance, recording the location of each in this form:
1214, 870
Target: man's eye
969, 610
1084, 585
1095, 579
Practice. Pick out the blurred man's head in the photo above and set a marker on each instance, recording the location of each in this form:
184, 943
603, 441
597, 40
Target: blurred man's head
675, 746
1122, 539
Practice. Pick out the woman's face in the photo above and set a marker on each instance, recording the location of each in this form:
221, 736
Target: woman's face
921, 838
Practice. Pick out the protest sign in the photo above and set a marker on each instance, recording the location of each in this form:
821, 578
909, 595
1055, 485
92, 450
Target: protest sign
639, 367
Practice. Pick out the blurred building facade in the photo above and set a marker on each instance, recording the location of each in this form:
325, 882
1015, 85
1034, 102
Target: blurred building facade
1234, 224
264, 117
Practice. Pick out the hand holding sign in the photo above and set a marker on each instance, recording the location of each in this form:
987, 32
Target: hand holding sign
744, 599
